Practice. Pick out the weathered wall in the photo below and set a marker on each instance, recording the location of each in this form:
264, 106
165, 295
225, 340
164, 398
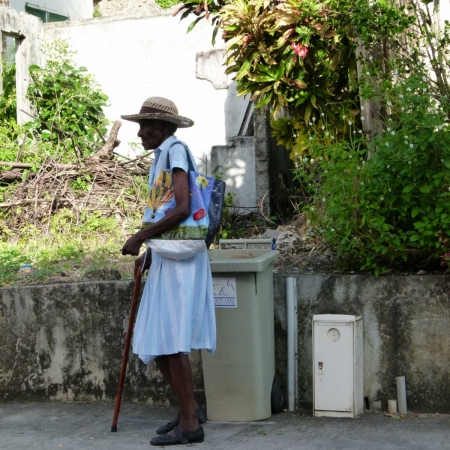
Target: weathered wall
75, 9
135, 57
65, 342
120, 7
29, 34
244, 163
406, 332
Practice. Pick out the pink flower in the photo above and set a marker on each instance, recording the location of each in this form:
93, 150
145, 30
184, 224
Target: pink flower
300, 49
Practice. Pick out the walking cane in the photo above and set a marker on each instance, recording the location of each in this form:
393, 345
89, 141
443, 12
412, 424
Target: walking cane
126, 352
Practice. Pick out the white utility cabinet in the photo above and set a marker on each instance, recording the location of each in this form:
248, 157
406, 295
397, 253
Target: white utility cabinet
338, 365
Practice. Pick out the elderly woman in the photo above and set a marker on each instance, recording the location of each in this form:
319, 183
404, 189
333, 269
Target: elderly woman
176, 313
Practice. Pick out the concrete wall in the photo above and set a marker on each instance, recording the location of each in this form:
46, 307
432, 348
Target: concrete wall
120, 7
135, 57
243, 164
406, 333
28, 34
64, 342
235, 164
75, 9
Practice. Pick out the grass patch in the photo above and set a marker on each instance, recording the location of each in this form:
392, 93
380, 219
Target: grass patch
62, 262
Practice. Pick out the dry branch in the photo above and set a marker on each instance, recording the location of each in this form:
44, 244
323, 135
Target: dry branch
10, 175
24, 202
100, 183
29, 166
106, 152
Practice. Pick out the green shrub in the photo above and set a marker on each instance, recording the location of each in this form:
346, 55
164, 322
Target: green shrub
385, 200
165, 4
8, 103
68, 103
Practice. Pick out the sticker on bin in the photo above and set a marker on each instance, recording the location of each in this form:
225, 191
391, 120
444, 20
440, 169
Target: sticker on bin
224, 292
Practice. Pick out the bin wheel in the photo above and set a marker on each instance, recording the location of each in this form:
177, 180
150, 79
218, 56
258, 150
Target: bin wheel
277, 396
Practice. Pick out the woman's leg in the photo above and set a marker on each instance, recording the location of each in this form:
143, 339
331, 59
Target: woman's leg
181, 378
163, 365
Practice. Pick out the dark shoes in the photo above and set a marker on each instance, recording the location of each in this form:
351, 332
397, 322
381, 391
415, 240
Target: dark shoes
169, 426
179, 438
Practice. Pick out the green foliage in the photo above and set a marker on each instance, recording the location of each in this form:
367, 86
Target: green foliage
288, 56
380, 200
67, 251
50, 261
10, 261
9, 135
97, 12
8, 103
227, 230
376, 197
9, 130
165, 4
68, 102
88, 223
391, 206
82, 183
298, 56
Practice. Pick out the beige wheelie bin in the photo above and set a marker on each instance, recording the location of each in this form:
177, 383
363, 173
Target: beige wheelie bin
240, 375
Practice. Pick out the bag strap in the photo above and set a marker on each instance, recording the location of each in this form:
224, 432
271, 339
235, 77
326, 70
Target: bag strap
191, 161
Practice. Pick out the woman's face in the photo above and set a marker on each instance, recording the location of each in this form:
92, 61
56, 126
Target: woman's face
152, 134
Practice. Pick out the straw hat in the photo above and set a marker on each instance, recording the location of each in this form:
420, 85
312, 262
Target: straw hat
158, 108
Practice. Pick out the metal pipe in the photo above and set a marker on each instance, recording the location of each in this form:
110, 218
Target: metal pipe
401, 395
292, 344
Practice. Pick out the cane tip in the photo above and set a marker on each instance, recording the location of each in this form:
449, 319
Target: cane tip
114, 428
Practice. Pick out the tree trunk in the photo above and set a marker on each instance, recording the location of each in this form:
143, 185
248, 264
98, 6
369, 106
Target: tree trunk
371, 110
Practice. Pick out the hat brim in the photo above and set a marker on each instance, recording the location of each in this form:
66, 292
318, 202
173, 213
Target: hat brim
181, 122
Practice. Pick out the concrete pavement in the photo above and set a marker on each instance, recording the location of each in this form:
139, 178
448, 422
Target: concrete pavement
66, 426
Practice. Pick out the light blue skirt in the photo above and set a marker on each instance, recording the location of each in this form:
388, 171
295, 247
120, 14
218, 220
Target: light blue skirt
176, 313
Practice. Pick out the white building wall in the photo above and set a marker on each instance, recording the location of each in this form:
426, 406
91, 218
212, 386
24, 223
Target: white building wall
25, 33
75, 9
138, 57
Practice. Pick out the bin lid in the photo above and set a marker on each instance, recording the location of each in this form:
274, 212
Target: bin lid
335, 318
241, 260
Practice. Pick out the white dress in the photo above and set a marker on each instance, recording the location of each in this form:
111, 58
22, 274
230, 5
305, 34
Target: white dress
176, 313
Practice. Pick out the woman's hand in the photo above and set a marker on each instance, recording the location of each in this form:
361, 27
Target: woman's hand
133, 245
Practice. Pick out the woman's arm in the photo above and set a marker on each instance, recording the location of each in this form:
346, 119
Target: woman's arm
178, 214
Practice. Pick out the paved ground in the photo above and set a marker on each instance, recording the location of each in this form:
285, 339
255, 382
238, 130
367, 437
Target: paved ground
48, 426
